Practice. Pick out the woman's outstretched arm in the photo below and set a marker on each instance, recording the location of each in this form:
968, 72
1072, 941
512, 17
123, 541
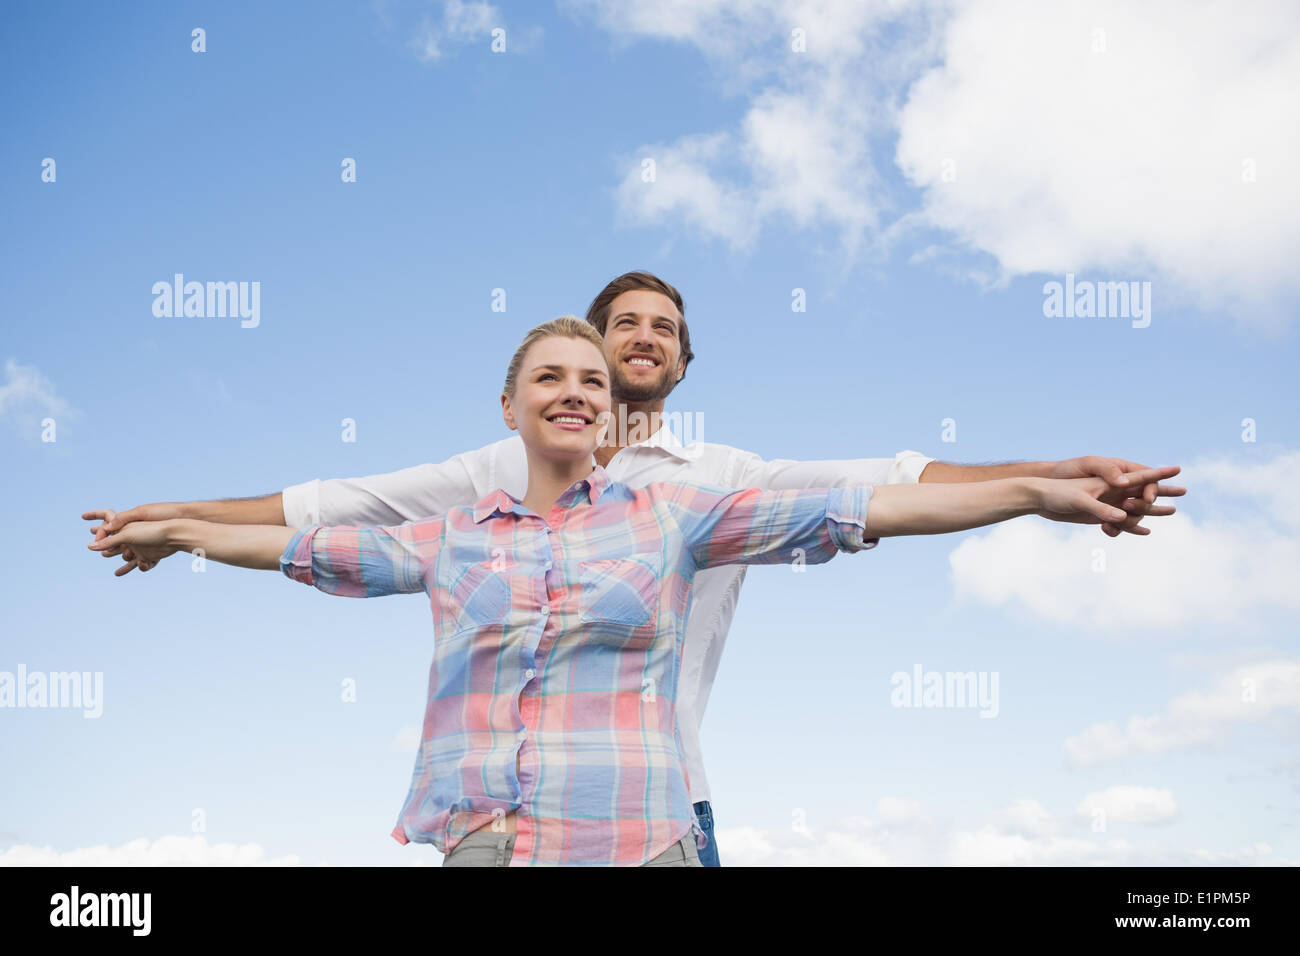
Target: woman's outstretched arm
769, 527
242, 545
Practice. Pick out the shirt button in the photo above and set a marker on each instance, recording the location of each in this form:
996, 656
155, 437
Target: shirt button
530, 673
545, 610
547, 565
522, 734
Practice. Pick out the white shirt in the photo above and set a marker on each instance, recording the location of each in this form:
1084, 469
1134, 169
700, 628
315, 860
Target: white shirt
429, 489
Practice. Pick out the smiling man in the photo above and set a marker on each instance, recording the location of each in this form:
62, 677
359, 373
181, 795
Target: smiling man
648, 348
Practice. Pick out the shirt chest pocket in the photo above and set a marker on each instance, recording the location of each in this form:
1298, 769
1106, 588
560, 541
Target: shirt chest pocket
619, 598
480, 595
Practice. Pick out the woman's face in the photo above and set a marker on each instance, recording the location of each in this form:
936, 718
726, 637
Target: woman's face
561, 400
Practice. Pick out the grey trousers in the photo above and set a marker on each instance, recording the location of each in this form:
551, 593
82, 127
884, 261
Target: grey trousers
485, 848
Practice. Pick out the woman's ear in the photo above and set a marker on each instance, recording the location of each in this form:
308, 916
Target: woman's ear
507, 412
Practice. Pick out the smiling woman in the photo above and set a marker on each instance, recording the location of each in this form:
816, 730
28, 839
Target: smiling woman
551, 731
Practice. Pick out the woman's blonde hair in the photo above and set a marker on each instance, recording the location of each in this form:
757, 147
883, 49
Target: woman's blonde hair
568, 326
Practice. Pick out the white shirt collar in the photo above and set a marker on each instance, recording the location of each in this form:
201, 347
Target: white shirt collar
666, 439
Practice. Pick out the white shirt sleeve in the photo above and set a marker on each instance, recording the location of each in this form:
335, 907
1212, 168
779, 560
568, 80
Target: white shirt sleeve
394, 497
784, 474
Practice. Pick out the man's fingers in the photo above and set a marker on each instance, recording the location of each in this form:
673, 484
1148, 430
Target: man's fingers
1138, 529
1133, 478
124, 569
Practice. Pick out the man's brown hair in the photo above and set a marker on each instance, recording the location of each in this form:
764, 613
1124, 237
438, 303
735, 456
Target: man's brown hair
598, 311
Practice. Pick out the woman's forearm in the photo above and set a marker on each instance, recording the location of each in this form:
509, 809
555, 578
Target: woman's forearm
941, 508
242, 545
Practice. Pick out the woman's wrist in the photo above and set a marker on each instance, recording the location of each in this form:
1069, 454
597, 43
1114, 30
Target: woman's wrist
1035, 494
181, 533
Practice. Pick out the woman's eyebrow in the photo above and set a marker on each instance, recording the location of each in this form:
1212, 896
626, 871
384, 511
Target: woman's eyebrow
560, 368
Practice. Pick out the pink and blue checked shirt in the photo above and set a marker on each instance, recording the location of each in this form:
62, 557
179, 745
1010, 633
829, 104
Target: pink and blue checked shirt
558, 639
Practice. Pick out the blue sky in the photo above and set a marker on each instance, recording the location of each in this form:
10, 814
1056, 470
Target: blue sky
921, 204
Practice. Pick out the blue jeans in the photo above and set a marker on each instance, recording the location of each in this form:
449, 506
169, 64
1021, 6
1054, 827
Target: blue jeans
709, 855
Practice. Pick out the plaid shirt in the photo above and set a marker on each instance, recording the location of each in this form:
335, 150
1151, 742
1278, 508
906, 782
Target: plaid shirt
559, 640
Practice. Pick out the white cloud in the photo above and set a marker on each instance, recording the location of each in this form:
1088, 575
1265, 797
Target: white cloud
1023, 833
801, 152
848, 842
896, 811
26, 391
990, 846
1026, 817
1251, 693
165, 851
462, 21
1129, 804
1130, 162
1127, 161
407, 739
1185, 572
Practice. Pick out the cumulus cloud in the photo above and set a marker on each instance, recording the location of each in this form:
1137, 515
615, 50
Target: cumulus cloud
816, 78
1244, 560
26, 392
1129, 804
1109, 139
1022, 833
1145, 140
455, 23
165, 851
407, 739
1252, 693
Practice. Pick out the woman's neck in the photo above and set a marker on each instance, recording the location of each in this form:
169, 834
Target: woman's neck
547, 480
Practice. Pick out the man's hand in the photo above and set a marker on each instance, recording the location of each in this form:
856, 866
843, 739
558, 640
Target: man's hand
115, 521
149, 541
1133, 487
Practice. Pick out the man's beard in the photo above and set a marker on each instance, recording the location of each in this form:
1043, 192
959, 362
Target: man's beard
622, 390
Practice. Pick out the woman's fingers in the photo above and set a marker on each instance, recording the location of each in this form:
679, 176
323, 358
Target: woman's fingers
1100, 510
124, 569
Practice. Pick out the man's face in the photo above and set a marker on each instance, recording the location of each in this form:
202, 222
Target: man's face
561, 398
642, 346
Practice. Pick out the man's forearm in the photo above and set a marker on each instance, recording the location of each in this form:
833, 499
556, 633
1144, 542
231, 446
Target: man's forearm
244, 546
265, 510
942, 472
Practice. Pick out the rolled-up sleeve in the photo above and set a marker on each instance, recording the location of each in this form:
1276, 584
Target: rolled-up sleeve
752, 526
353, 561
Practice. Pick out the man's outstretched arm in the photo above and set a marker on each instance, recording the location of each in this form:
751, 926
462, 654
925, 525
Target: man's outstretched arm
1113, 470
265, 510
384, 499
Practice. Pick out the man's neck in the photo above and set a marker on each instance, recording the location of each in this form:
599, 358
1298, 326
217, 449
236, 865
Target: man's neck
630, 423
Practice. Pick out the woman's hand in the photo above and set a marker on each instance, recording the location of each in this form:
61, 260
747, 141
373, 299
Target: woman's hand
116, 520
1094, 501
148, 541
